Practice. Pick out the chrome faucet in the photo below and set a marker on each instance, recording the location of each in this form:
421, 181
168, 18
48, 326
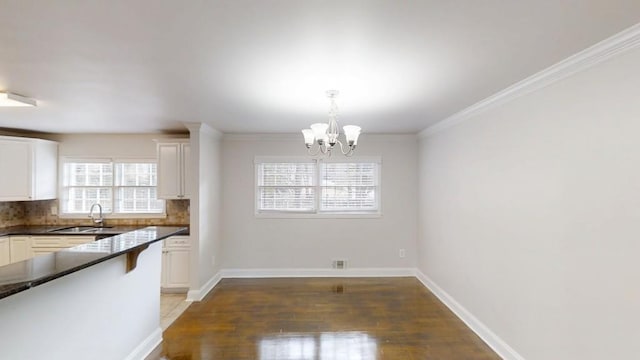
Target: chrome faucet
99, 221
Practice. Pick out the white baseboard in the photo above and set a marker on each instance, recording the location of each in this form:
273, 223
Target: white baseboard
355, 272
489, 337
199, 294
146, 346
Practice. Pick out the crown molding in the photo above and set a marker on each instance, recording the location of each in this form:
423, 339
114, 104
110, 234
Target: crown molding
591, 56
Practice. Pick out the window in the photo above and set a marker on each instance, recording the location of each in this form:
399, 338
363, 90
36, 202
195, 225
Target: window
318, 186
286, 187
121, 187
349, 186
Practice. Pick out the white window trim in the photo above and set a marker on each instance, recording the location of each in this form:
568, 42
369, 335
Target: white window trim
317, 214
100, 159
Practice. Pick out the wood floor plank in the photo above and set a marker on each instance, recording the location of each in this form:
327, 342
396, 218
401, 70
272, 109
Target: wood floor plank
320, 319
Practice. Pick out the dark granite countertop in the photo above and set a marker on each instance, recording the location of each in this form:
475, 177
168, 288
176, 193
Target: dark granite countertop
57, 230
24, 275
27, 230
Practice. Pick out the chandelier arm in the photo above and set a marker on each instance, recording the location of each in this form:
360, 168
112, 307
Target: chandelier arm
313, 153
349, 151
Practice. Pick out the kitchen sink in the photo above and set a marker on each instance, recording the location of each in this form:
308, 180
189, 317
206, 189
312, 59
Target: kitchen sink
79, 229
97, 229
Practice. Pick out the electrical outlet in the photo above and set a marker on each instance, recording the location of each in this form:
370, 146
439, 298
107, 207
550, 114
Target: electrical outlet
402, 253
54, 210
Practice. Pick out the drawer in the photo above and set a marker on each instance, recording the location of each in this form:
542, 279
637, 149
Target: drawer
79, 240
44, 251
47, 241
178, 241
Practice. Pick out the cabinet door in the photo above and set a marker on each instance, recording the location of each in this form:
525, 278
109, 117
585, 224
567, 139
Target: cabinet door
15, 165
187, 181
5, 251
169, 171
177, 269
20, 248
45, 170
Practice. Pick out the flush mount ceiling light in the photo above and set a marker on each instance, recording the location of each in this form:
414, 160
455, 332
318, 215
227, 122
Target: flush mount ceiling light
8, 99
326, 134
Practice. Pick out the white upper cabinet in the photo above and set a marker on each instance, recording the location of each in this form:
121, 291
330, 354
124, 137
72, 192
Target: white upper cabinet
28, 168
174, 169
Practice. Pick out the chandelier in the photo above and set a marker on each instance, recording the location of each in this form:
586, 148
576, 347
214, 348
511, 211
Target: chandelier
326, 134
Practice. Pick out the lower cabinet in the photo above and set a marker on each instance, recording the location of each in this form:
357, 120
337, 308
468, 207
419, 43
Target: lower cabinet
20, 248
176, 259
5, 257
14, 249
41, 245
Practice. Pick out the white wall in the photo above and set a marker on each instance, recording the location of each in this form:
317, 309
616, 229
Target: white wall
260, 243
206, 204
530, 213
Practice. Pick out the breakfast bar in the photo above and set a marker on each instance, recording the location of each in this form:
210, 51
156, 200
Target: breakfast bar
81, 302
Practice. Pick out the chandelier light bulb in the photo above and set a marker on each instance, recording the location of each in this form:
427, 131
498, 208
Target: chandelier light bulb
352, 132
319, 130
309, 138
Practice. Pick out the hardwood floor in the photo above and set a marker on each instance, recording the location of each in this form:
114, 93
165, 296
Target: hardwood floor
171, 307
320, 319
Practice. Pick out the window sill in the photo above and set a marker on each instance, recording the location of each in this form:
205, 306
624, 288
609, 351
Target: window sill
277, 215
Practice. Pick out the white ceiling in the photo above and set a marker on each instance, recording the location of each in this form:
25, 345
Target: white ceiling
117, 66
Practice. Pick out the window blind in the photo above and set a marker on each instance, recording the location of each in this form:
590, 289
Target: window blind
286, 187
136, 188
348, 187
87, 183
120, 187
324, 186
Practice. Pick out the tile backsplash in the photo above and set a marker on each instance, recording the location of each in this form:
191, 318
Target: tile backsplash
39, 213
11, 213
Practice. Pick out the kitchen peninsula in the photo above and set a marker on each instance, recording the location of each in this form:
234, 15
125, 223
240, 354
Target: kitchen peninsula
105, 287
